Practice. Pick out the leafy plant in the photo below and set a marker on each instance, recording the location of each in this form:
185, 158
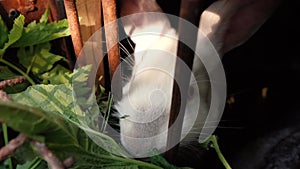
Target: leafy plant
52, 119
32, 44
48, 112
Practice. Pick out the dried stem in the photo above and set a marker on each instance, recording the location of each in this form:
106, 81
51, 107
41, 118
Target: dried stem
11, 82
48, 156
69, 162
4, 97
10, 148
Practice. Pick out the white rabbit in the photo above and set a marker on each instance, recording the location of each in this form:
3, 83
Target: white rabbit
147, 96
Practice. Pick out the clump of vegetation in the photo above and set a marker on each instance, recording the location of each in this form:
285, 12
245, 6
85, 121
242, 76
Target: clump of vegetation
41, 107
36, 101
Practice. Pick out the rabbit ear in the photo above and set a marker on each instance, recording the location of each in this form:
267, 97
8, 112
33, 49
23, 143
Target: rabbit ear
229, 23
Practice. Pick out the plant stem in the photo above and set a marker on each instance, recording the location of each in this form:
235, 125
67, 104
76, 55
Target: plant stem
5, 135
107, 114
31, 64
137, 162
214, 141
18, 70
36, 163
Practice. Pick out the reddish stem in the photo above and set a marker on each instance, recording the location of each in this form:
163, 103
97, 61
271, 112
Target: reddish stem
111, 34
48, 156
74, 25
10, 148
11, 82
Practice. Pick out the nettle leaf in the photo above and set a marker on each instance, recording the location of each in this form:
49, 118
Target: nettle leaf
43, 20
63, 137
44, 17
38, 59
25, 153
59, 99
3, 33
58, 75
17, 88
50, 128
48, 113
6, 73
34, 123
58, 133
14, 34
36, 163
159, 160
36, 33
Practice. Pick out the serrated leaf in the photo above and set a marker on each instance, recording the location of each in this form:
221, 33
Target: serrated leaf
17, 88
55, 131
44, 17
58, 75
14, 34
3, 33
159, 160
60, 134
47, 113
40, 33
122, 167
35, 163
6, 73
25, 153
59, 99
39, 59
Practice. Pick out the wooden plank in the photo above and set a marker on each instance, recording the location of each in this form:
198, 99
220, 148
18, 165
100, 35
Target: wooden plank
90, 18
109, 8
72, 16
191, 11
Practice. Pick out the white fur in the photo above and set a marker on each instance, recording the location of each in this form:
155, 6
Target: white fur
147, 97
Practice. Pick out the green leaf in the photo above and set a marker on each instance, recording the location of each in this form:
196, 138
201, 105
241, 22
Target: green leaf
36, 33
51, 98
39, 59
14, 34
48, 113
4, 164
50, 127
17, 88
58, 75
44, 17
25, 153
6, 73
3, 33
36, 163
36, 124
160, 161
59, 134
59, 99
